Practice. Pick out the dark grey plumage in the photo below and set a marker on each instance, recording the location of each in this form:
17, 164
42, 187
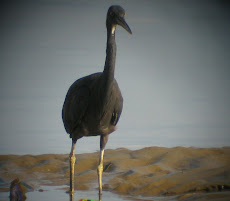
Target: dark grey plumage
93, 104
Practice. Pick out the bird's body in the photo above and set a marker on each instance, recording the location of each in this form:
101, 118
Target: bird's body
93, 104
91, 110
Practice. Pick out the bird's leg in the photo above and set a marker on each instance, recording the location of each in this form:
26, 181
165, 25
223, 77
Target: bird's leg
103, 141
99, 172
72, 163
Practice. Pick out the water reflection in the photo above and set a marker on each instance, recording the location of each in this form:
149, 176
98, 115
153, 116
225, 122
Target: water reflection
54, 193
71, 196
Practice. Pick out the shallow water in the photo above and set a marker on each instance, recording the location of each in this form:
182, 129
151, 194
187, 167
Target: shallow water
173, 72
55, 193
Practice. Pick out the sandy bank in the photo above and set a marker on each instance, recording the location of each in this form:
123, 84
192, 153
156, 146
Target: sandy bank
187, 173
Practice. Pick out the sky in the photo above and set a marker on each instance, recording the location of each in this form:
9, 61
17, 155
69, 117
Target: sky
173, 72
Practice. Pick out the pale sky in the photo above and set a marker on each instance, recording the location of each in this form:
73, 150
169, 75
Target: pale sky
174, 72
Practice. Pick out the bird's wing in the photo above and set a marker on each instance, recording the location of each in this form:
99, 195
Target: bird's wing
75, 106
118, 105
77, 102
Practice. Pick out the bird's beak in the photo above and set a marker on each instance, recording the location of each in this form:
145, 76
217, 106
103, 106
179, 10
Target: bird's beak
123, 23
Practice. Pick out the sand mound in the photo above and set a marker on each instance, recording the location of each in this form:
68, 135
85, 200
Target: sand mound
188, 173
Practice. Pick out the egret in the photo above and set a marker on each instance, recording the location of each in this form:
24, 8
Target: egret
93, 104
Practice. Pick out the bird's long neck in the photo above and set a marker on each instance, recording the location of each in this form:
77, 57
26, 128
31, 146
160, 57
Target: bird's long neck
110, 54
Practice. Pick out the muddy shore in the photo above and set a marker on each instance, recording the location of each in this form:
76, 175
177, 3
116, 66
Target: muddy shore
186, 173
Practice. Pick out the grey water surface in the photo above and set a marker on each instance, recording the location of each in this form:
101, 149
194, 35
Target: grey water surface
174, 72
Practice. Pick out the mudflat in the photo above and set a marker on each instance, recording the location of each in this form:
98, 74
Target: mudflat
185, 173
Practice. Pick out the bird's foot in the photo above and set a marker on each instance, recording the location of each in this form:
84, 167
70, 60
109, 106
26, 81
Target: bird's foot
100, 196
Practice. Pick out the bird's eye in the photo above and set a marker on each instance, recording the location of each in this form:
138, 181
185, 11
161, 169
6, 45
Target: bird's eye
111, 14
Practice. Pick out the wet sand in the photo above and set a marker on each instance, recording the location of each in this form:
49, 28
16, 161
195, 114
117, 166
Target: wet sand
152, 173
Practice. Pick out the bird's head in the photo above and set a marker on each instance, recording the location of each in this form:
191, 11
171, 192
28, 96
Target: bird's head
115, 16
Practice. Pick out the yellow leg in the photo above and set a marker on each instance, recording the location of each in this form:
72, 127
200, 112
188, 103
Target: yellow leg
99, 172
71, 197
72, 163
103, 141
